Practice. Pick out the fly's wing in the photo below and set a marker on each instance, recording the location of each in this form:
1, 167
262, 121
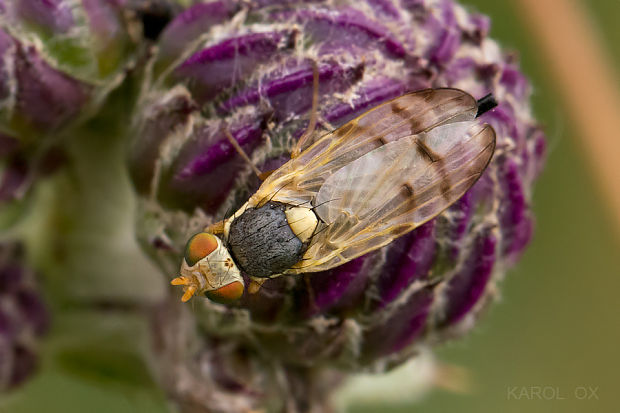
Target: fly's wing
394, 189
384, 173
299, 180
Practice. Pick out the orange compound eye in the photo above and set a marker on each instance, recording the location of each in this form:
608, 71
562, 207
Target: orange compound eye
227, 294
199, 246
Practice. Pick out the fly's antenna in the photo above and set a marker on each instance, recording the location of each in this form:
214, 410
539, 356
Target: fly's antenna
485, 104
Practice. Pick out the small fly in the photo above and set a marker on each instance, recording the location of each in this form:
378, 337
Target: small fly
354, 190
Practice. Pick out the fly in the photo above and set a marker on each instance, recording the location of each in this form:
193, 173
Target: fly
352, 191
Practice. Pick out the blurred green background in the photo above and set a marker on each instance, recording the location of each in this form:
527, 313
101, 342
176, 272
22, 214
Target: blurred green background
555, 328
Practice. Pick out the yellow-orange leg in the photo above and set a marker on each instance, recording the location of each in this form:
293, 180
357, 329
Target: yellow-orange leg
299, 146
261, 175
256, 284
241, 152
188, 288
265, 175
217, 228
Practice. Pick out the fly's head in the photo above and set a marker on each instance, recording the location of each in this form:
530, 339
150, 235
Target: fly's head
209, 269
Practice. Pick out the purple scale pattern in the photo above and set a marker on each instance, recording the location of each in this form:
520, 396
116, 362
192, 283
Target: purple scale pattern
220, 66
408, 260
467, 286
287, 91
206, 168
400, 328
189, 25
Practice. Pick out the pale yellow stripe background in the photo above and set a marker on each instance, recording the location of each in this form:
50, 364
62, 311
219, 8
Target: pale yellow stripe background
583, 73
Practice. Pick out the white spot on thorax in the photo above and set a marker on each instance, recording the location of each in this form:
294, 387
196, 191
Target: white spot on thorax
303, 222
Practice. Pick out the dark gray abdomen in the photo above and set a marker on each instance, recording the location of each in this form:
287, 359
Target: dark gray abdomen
262, 243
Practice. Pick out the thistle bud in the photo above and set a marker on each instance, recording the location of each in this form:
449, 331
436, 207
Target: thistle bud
248, 67
23, 318
58, 58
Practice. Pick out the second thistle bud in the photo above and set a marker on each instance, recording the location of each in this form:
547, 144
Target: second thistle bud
23, 318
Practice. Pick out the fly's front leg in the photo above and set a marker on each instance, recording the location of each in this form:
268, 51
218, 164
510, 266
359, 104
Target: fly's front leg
261, 175
215, 229
301, 142
299, 146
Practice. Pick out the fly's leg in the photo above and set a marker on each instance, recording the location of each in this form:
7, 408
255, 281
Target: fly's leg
299, 146
215, 229
256, 284
261, 175
240, 151
302, 140
265, 175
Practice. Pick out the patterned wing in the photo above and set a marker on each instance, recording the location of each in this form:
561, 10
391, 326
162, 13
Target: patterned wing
384, 173
299, 180
394, 189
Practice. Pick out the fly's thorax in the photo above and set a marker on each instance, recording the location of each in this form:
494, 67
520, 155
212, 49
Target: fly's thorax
267, 240
228, 221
